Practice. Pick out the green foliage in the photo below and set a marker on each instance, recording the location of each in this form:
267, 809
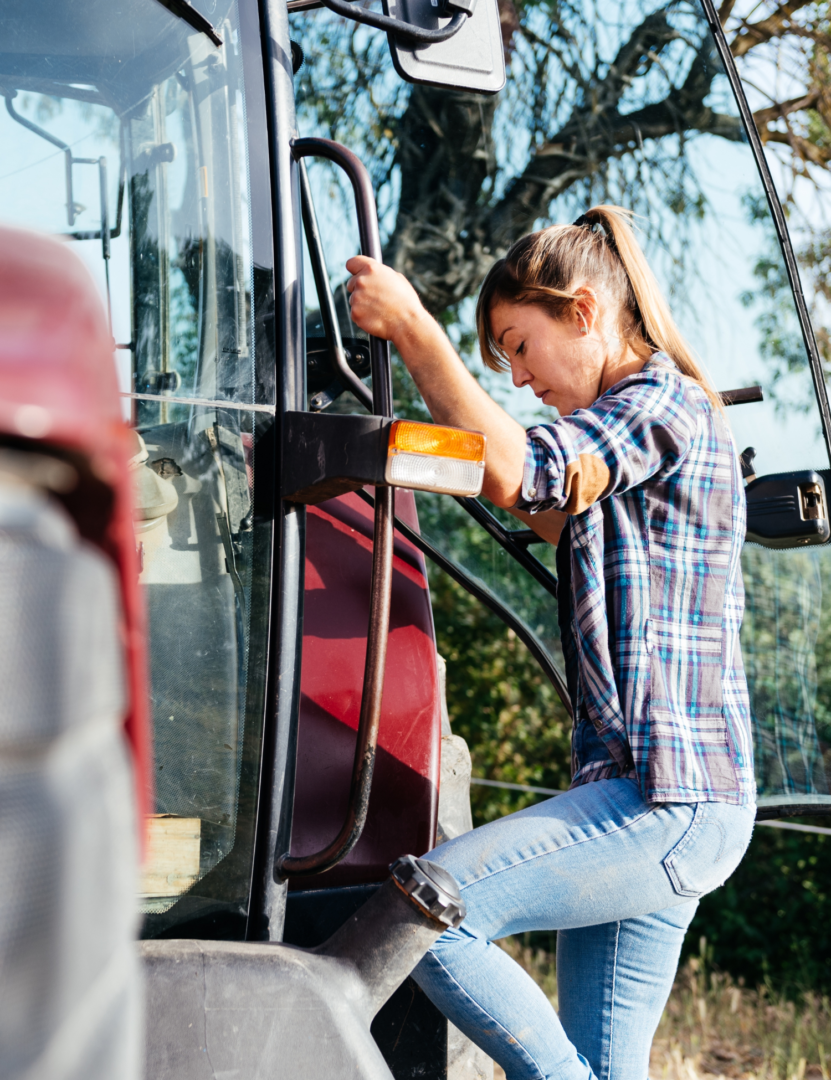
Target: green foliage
769, 923
815, 262
184, 329
499, 701
777, 322
817, 131
781, 343
786, 638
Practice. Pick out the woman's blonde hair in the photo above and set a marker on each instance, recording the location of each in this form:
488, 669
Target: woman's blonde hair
547, 267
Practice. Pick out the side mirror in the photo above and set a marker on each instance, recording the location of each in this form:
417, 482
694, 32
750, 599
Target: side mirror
447, 43
472, 60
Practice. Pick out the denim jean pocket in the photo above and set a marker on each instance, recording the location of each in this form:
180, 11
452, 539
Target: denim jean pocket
710, 849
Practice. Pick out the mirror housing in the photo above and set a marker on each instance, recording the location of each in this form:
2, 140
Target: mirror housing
473, 60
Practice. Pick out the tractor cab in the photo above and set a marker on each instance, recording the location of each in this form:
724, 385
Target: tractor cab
214, 164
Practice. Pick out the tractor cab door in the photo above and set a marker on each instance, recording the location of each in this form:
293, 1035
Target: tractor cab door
132, 134
456, 175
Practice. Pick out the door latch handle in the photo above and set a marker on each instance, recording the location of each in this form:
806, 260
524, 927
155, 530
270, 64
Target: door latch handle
787, 510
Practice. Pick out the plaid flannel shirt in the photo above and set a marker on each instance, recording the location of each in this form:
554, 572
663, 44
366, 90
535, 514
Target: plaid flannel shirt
651, 477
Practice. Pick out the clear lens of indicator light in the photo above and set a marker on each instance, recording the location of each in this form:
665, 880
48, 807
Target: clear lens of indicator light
424, 472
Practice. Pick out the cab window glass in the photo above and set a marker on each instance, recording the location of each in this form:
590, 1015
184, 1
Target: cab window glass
787, 634
625, 103
125, 131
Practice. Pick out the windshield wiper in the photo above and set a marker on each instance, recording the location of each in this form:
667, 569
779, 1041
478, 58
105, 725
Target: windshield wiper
183, 10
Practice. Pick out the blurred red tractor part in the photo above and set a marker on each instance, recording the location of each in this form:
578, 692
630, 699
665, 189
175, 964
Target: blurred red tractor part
72, 673
58, 389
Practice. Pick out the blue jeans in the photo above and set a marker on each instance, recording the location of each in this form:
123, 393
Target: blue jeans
619, 880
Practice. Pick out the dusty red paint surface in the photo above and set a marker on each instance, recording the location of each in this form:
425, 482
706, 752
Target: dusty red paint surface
403, 804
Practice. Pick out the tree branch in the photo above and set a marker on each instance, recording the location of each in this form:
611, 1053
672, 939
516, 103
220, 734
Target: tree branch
448, 231
784, 108
725, 11
773, 26
594, 135
802, 148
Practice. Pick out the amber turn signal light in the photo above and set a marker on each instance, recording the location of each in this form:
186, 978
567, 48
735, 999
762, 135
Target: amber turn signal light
410, 436
429, 457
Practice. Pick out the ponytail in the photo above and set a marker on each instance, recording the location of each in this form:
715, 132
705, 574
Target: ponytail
548, 266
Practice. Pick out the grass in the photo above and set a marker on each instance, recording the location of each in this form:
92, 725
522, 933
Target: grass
714, 1026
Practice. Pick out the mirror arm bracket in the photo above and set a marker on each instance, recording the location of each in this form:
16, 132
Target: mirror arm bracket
402, 30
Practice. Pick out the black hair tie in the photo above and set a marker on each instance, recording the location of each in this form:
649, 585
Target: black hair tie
583, 222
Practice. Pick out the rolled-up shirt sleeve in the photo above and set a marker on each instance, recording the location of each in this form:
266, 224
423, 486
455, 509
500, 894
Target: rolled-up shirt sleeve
641, 428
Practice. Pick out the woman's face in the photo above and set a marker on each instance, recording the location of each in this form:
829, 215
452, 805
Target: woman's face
562, 365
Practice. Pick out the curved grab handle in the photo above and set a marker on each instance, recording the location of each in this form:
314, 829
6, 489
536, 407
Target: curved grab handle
328, 311
381, 588
355, 169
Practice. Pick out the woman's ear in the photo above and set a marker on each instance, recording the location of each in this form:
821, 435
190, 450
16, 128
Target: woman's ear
585, 309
